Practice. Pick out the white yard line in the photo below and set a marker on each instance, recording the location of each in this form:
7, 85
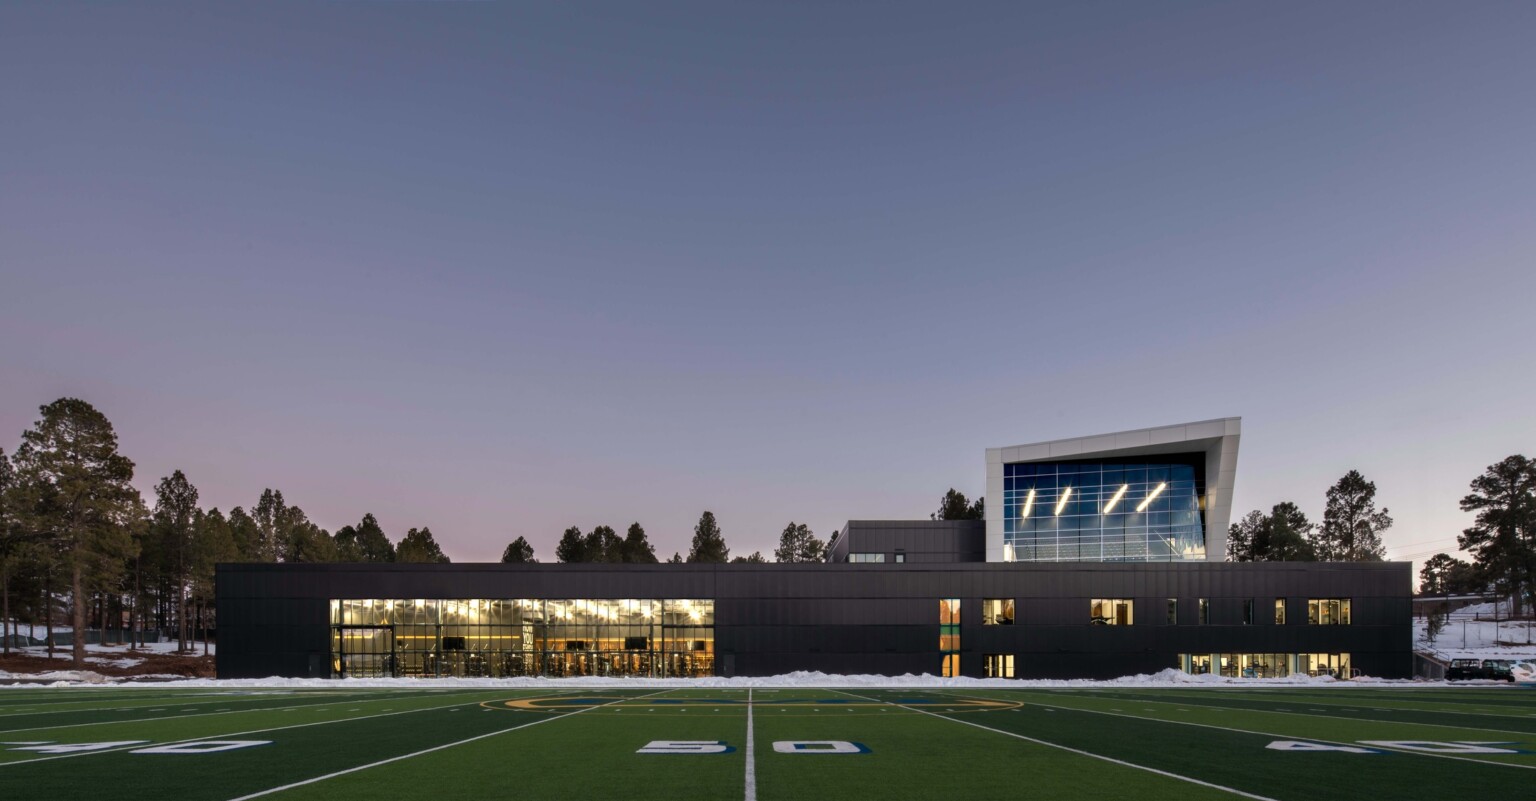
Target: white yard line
193, 715
1089, 754
433, 749
750, 792
1273, 734
4, 765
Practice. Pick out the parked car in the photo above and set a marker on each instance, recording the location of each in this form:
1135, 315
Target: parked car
1465, 670
1499, 669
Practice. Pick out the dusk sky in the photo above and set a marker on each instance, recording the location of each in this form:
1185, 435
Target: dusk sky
500, 269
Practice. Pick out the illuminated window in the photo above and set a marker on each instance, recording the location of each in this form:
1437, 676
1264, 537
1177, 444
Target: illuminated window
998, 666
997, 612
427, 637
1328, 611
1279, 611
949, 636
1110, 611
1125, 510
1336, 665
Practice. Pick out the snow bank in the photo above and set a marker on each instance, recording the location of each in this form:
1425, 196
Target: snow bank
1165, 678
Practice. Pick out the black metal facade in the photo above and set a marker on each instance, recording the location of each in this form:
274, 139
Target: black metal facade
927, 541
274, 620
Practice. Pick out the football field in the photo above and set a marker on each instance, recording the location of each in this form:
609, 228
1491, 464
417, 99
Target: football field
1115, 742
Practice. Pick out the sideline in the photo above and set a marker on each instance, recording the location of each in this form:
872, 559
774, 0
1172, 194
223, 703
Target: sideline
1090, 754
4, 765
434, 748
1293, 736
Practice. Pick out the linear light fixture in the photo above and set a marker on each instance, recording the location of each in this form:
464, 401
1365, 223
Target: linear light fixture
1062, 504
1029, 503
1142, 507
1119, 493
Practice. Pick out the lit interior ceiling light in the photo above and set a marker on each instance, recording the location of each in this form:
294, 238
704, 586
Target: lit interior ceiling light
1062, 504
1119, 493
1142, 507
1029, 503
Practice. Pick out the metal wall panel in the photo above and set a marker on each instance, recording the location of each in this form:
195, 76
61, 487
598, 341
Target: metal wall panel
870, 618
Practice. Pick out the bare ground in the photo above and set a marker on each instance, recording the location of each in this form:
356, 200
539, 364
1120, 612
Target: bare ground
188, 665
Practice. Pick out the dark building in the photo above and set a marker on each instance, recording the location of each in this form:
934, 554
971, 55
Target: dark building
1090, 564
1034, 620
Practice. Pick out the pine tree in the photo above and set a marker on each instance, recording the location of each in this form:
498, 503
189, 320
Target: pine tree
798, 544
1502, 539
708, 543
1286, 536
212, 543
756, 558
1241, 537
637, 549
955, 506
518, 552
9, 542
572, 546
604, 545
370, 541
78, 496
676, 559
1352, 528
420, 547
247, 535
175, 511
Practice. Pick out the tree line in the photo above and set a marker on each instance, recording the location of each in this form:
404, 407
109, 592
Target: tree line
1350, 532
797, 543
73, 528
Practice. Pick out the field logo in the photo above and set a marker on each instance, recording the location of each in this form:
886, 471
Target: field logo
686, 747
819, 747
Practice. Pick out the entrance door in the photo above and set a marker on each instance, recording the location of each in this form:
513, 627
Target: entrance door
366, 651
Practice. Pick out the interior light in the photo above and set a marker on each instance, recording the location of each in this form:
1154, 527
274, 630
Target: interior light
1142, 507
1029, 503
420, 603
1062, 504
1119, 493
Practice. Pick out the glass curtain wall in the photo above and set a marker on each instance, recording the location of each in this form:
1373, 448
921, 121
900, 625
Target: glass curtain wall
1102, 512
421, 637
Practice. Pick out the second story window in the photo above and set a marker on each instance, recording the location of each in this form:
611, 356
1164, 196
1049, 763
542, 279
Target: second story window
866, 557
997, 611
1110, 611
1328, 611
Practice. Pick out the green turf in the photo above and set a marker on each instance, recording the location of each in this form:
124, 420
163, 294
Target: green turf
341, 742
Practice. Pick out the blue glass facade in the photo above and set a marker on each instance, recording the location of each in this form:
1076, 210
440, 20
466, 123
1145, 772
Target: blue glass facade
1120, 511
